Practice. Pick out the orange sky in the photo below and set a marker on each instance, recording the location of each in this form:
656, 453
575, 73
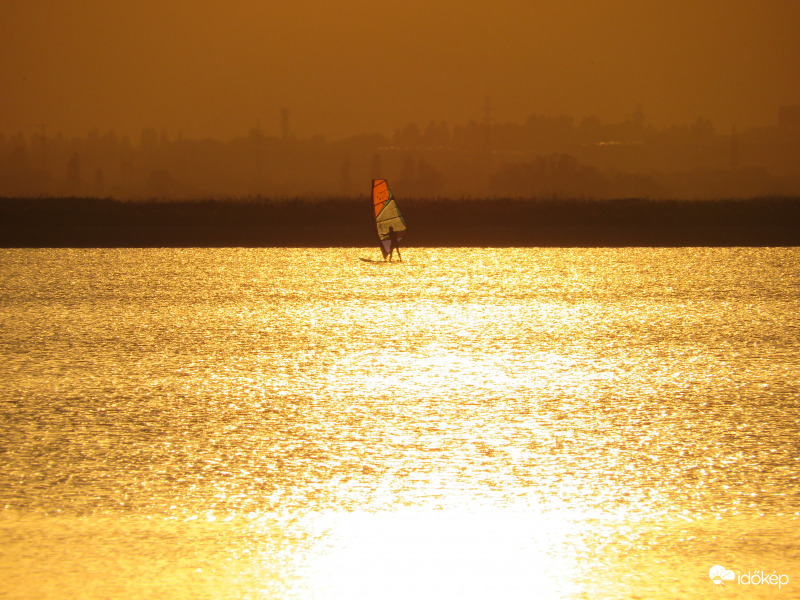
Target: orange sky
217, 67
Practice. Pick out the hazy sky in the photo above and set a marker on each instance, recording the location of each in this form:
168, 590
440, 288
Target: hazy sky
217, 67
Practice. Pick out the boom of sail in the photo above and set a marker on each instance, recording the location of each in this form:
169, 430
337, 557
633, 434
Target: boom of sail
387, 214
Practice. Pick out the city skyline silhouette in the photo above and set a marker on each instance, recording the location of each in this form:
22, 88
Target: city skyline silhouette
539, 157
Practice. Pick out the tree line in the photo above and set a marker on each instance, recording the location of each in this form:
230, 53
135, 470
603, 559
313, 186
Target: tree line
349, 222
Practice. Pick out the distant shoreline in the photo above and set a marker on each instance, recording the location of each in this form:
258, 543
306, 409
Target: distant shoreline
347, 222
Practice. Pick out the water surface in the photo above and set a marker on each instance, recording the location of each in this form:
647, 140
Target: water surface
243, 423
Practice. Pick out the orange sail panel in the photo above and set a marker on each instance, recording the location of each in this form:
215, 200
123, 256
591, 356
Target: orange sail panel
387, 214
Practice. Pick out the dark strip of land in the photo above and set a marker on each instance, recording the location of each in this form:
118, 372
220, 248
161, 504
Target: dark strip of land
348, 222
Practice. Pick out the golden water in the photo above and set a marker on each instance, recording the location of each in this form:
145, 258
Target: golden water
472, 423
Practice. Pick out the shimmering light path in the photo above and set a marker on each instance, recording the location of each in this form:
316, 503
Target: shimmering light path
299, 424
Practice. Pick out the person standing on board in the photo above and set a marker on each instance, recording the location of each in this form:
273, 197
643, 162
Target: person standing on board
394, 245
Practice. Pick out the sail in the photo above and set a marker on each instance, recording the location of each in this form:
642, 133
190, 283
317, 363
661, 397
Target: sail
387, 214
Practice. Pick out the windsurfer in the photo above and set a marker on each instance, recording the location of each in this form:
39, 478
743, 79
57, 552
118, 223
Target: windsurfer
389, 223
394, 245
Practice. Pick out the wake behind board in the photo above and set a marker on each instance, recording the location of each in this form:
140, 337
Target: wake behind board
380, 262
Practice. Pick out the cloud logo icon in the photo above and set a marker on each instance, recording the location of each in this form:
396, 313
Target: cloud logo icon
718, 574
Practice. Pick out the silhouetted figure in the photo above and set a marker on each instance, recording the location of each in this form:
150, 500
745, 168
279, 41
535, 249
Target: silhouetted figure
394, 245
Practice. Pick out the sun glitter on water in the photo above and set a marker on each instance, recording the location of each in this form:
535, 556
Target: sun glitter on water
415, 553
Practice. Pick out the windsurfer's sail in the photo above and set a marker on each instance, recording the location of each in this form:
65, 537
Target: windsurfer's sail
387, 215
